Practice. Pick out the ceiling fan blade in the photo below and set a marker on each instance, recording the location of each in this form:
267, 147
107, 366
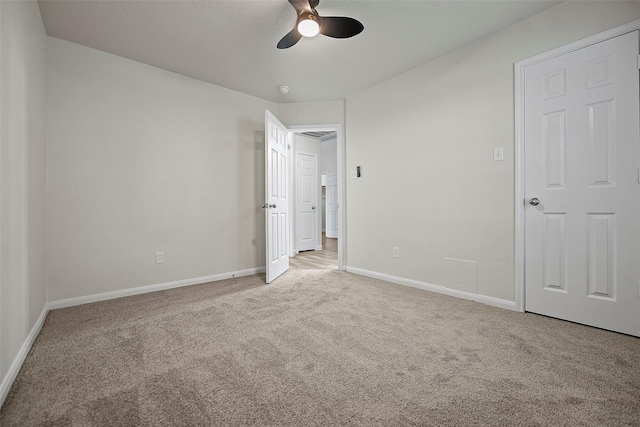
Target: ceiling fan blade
340, 27
314, 3
301, 5
290, 39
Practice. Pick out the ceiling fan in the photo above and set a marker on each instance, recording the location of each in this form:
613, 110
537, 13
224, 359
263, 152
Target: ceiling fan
309, 24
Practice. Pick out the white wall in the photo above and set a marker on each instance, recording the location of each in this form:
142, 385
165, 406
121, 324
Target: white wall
23, 293
142, 160
424, 140
329, 164
311, 113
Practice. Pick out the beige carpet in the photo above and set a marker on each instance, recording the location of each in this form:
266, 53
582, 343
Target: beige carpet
319, 347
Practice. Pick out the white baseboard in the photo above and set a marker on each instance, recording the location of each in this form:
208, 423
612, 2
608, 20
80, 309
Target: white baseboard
70, 302
318, 248
11, 375
495, 302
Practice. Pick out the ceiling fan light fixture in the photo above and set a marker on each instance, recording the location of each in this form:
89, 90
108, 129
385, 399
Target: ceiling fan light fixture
309, 26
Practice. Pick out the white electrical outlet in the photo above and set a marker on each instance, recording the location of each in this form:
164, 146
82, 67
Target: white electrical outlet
159, 257
498, 154
396, 252
354, 174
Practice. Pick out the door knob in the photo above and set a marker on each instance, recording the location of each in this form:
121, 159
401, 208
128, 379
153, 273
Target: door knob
313, 207
534, 201
265, 206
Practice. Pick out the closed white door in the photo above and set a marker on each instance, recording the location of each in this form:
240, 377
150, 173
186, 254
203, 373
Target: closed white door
331, 229
276, 197
307, 201
582, 186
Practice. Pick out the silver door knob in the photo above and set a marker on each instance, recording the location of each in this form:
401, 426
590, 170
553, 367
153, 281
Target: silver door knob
265, 206
272, 206
313, 207
534, 201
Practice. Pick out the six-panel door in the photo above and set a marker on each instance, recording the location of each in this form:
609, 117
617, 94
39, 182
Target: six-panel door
582, 151
277, 197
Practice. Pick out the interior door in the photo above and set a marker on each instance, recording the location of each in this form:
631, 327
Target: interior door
332, 205
307, 201
582, 184
276, 197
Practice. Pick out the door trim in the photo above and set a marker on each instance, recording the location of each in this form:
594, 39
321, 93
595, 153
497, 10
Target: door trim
342, 218
519, 74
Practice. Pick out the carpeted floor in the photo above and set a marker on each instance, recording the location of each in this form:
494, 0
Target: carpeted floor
319, 347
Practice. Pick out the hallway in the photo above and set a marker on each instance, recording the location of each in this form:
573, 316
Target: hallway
327, 258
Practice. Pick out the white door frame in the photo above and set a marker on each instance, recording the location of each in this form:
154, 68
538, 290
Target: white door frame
342, 217
520, 194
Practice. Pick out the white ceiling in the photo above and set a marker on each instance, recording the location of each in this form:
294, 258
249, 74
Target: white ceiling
232, 43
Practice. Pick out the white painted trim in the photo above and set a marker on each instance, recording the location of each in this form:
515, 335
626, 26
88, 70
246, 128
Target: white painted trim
318, 248
293, 241
520, 190
342, 197
1, 126
494, 302
70, 302
342, 185
12, 373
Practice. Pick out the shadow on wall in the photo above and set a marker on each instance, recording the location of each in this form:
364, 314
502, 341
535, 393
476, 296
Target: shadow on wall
259, 160
250, 194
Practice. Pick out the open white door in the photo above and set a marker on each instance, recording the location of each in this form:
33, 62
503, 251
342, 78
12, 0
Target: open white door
276, 197
332, 205
582, 186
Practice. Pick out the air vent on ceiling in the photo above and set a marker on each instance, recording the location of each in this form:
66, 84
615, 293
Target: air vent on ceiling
323, 136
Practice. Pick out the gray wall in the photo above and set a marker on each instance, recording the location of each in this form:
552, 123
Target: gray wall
23, 292
425, 142
142, 160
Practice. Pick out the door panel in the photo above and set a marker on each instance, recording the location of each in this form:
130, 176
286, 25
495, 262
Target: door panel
307, 201
277, 197
555, 252
601, 236
582, 152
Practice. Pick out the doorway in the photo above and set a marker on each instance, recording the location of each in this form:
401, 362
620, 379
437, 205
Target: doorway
326, 141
